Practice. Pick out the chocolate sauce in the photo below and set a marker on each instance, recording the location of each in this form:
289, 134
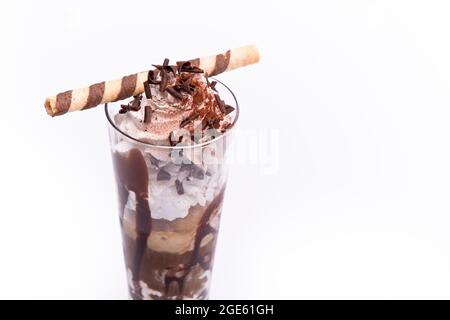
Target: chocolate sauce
180, 273
204, 228
132, 175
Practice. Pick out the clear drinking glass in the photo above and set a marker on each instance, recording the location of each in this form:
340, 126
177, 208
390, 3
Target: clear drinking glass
170, 201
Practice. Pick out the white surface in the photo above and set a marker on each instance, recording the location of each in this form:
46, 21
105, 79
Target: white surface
356, 91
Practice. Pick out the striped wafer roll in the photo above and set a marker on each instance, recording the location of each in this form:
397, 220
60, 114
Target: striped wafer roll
232, 59
128, 86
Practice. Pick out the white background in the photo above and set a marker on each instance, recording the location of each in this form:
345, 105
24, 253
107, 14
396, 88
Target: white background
358, 92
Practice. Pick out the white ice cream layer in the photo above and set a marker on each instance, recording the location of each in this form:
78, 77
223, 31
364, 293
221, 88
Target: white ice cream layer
164, 200
166, 203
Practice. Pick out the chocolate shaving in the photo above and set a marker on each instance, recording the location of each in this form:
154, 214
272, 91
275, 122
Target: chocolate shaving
180, 65
228, 109
191, 117
186, 66
172, 142
167, 68
210, 113
213, 85
153, 160
174, 93
205, 124
147, 89
197, 172
186, 165
220, 103
152, 74
179, 186
194, 170
186, 86
163, 175
172, 69
136, 104
147, 114
133, 105
184, 122
192, 70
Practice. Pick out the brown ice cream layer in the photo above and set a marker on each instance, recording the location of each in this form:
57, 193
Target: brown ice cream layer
156, 264
176, 236
175, 250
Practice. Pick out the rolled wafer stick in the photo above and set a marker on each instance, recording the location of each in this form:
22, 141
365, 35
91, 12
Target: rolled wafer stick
232, 59
128, 86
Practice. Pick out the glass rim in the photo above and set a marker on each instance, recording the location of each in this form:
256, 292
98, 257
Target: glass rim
195, 145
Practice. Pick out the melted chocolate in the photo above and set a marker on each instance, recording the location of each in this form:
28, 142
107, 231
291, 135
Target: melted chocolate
178, 274
132, 175
204, 228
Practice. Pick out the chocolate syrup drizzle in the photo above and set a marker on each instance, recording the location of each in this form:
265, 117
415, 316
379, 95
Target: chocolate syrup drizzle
178, 274
132, 175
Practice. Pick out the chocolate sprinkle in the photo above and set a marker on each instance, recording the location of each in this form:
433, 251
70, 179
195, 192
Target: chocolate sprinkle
213, 85
186, 66
186, 165
228, 109
184, 122
124, 108
152, 77
179, 186
172, 69
147, 114
136, 104
186, 86
153, 160
166, 68
147, 89
220, 103
197, 172
174, 93
191, 117
205, 124
182, 83
172, 140
163, 175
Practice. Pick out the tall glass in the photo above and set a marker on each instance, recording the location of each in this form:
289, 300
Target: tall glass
170, 201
